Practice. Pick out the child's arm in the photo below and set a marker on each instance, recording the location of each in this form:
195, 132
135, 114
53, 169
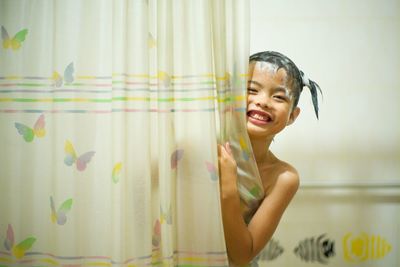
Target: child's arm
243, 241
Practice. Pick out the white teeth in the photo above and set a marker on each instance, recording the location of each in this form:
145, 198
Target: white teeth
258, 117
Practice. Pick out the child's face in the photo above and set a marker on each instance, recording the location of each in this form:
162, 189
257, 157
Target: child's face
269, 100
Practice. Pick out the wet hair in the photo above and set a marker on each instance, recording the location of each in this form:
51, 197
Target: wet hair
297, 78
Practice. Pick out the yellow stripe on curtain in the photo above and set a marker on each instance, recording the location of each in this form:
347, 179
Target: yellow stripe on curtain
110, 114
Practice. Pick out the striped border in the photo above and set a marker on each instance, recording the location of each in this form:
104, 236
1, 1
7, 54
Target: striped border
119, 89
114, 89
178, 258
124, 99
111, 83
129, 75
124, 79
116, 110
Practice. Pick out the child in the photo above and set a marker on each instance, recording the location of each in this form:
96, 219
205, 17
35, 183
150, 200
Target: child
274, 88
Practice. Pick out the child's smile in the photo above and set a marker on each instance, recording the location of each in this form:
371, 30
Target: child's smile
269, 100
259, 117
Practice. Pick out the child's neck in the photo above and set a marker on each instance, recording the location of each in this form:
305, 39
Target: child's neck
261, 150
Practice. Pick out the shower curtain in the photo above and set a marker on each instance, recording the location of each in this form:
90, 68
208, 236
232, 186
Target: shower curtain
110, 115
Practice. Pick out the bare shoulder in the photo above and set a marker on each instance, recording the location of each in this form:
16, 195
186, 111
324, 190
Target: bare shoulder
279, 175
287, 176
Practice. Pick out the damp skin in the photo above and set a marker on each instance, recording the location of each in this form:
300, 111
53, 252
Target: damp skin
298, 79
268, 113
269, 95
272, 69
268, 105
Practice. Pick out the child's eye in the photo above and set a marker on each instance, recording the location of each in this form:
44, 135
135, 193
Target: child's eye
280, 98
252, 90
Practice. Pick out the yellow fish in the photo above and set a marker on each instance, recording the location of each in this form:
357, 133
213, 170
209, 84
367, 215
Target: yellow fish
364, 247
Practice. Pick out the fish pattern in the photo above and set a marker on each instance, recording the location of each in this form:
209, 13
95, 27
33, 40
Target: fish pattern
364, 247
315, 249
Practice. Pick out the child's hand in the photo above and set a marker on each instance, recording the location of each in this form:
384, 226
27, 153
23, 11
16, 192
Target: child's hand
226, 160
227, 168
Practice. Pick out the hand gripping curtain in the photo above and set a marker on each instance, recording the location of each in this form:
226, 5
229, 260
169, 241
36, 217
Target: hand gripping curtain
110, 115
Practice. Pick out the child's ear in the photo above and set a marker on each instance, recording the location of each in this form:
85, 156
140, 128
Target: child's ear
293, 115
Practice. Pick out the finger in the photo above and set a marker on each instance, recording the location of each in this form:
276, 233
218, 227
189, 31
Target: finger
228, 148
223, 152
220, 148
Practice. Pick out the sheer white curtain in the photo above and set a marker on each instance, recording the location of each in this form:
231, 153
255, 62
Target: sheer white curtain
110, 112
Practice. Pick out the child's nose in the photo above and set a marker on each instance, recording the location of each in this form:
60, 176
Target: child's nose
263, 100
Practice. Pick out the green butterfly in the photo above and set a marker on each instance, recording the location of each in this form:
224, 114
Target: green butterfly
68, 77
60, 216
15, 42
29, 133
17, 250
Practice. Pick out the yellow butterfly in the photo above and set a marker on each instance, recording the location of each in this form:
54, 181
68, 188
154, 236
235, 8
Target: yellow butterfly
165, 216
164, 78
68, 76
59, 216
18, 250
29, 133
71, 157
15, 42
151, 41
245, 149
116, 172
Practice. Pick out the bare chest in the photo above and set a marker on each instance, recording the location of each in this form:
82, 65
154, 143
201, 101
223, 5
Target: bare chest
269, 176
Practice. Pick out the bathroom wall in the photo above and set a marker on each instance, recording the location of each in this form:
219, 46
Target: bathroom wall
352, 49
349, 159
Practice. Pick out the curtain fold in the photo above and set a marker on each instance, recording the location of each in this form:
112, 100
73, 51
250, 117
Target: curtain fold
110, 114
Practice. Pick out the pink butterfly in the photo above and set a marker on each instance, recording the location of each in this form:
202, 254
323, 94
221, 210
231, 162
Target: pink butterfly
71, 157
68, 76
212, 171
17, 250
176, 156
29, 133
59, 216
156, 233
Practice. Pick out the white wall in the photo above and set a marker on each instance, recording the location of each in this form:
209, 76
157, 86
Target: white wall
349, 160
352, 49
